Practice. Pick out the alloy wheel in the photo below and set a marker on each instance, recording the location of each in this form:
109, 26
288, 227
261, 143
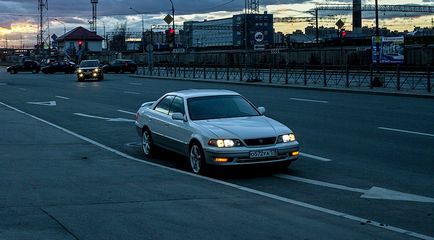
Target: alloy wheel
196, 159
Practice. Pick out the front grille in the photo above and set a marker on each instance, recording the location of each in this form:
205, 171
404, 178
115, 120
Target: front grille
250, 160
260, 141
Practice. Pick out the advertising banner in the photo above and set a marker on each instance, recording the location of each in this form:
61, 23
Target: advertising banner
391, 49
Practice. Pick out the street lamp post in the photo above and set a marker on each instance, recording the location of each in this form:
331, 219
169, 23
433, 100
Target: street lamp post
173, 15
377, 34
64, 26
143, 28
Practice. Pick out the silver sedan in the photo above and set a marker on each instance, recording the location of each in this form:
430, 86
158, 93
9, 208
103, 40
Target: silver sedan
214, 127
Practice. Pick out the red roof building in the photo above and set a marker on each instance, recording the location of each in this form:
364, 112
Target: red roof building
80, 39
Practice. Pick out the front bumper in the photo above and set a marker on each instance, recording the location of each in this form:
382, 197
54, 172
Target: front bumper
89, 75
241, 155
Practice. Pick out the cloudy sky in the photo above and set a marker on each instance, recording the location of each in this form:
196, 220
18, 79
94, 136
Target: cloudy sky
18, 19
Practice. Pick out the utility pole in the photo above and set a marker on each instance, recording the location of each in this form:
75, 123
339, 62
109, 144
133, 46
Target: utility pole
316, 26
377, 34
42, 37
143, 28
93, 27
173, 23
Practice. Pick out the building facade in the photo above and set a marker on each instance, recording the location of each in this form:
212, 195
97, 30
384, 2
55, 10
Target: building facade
230, 32
212, 33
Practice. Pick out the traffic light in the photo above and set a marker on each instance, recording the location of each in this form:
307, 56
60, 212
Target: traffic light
170, 37
80, 43
343, 34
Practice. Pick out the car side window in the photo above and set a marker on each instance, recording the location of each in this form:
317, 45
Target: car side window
177, 106
164, 105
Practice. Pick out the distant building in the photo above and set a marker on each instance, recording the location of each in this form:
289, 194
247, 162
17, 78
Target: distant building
279, 38
259, 27
79, 39
230, 32
323, 32
212, 33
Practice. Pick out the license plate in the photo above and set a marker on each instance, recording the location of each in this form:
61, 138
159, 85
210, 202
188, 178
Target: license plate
263, 153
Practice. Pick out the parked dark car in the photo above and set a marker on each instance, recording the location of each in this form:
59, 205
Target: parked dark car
121, 66
63, 66
26, 66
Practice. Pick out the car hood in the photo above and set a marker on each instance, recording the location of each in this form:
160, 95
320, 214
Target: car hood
244, 127
88, 68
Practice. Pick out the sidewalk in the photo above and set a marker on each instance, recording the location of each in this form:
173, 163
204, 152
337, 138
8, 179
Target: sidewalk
54, 185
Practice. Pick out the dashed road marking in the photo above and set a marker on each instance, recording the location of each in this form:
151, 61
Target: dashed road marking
129, 92
61, 97
315, 157
406, 131
309, 100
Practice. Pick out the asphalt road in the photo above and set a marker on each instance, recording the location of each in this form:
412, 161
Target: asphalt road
368, 156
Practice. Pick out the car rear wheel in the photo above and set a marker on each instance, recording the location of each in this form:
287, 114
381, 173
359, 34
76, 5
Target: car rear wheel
147, 145
197, 159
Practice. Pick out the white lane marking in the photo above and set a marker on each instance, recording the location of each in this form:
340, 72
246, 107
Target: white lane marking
320, 183
105, 118
127, 112
136, 84
241, 188
91, 116
61, 97
3, 84
315, 157
135, 93
309, 100
49, 103
387, 194
373, 192
22, 89
406, 131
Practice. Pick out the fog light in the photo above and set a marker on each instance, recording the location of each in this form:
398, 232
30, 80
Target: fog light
296, 153
94, 74
81, 75
221, 160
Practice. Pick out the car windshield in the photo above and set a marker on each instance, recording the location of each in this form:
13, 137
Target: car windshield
89, 64
214, 107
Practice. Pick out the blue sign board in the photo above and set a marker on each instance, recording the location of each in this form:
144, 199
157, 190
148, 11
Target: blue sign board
391, 49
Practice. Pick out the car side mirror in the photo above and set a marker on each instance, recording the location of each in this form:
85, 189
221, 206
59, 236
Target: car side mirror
179, 116
261, 110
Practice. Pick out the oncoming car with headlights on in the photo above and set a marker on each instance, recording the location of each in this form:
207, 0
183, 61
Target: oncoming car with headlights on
214, 127
89, 69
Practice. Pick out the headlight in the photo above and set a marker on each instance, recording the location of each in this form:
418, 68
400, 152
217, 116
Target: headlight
224, 143
80, 71
96, 70
286, 138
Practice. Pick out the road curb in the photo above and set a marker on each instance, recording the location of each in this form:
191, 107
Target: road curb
273, 85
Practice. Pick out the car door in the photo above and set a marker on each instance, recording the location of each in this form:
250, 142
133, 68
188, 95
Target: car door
178, 131
27, 66
159, 121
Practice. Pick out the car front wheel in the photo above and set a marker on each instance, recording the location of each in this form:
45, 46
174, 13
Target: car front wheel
147, 145
197, 159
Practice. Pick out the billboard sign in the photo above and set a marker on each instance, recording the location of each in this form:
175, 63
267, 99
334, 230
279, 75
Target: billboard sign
391, 50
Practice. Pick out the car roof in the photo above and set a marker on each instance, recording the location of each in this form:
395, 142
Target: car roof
190, 93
